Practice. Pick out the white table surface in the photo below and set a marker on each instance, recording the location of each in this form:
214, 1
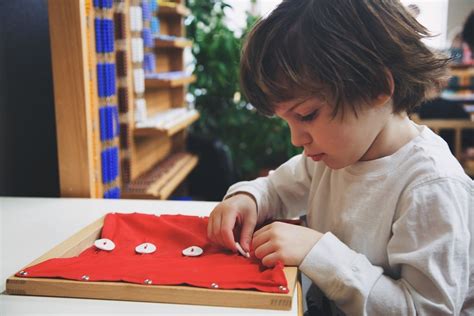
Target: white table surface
29, 227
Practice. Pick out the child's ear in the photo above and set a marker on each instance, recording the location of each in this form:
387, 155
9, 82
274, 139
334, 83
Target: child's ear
383, 98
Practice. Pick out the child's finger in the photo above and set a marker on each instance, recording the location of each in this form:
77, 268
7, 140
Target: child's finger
260, 240
264, 250
246, 234
226, 232
261, 231
210, 235
259, 236
271, 259
216, 228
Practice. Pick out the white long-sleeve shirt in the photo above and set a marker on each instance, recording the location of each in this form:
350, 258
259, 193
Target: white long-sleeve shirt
397, 230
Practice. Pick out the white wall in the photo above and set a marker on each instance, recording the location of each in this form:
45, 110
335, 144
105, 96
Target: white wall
433, 16
458, 11
236, 17
441, 17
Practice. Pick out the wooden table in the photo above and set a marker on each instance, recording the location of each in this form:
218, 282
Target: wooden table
29, 227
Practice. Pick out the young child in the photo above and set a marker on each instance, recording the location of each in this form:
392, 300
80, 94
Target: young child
388, 207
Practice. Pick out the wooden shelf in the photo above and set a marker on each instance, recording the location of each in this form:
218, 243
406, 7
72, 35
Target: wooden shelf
460, 66
169, 83
179, 9
179, 177
178, 125
163, 178
177, 43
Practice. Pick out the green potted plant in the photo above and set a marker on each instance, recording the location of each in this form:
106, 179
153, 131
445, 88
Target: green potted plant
257, 143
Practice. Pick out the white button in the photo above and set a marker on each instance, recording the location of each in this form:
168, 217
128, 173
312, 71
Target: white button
192, 251
241, 250
145, 248
355, 269
104, 244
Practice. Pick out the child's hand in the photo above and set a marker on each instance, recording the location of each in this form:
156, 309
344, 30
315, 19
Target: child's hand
284, 242
238, 212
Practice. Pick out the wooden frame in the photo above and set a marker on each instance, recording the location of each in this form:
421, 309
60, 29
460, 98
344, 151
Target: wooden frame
146, 293
127, 118
75, 107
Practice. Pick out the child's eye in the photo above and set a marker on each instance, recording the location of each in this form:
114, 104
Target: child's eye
309, 117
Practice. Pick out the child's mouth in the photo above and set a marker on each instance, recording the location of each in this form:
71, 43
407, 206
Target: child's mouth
317, 157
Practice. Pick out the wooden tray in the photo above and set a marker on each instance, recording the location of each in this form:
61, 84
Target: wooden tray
135, 292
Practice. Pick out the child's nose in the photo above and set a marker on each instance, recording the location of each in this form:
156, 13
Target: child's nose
299, 138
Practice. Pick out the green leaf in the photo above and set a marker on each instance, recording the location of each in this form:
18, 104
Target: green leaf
256, 142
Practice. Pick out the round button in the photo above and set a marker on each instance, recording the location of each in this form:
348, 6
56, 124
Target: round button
145, 248
192, 251
104, 244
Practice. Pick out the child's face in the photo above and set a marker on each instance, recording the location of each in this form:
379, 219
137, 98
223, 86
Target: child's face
339, 141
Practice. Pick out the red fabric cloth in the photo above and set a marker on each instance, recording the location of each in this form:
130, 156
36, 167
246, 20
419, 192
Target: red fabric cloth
167, 266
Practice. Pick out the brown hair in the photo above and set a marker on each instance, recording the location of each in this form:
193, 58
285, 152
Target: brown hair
342, 49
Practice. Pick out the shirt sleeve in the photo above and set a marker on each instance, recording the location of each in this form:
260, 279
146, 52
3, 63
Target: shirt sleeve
283, 193
429, 251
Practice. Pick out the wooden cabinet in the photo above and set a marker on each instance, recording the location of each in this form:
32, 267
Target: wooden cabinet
107, 83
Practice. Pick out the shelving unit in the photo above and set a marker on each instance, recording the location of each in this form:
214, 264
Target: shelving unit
461, 83
158, 161
114, 127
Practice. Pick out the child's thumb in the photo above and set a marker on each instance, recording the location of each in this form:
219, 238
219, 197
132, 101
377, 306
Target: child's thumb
246, 235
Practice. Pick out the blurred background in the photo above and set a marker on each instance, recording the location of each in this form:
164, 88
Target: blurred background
230, 141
